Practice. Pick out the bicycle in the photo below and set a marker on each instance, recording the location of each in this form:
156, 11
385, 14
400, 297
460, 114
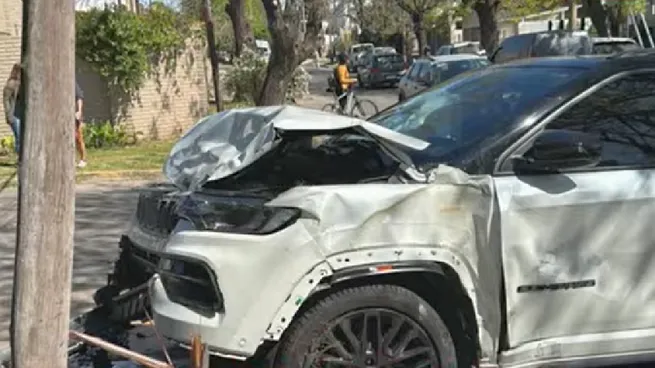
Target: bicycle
357, 105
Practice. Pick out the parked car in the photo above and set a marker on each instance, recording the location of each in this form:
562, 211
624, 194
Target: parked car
541, 44
429, 71
469, 47
263, 49
380, 69
612, 45
355, 52
502, 219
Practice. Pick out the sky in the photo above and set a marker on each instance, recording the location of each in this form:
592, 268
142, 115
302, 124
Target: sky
86, 4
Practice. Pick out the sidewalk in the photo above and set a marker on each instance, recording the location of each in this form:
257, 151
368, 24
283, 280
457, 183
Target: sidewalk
102, 212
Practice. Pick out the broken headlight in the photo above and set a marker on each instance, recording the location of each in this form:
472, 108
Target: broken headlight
236, 215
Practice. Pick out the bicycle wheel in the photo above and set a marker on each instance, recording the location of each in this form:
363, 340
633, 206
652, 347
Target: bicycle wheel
363, 109
331, 107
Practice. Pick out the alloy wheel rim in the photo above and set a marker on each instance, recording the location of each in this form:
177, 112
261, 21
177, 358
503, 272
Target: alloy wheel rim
373, 338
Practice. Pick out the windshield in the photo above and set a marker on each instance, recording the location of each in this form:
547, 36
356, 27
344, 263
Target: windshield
456, 116
390, 61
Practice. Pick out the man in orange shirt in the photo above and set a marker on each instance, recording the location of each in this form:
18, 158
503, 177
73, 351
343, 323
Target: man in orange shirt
342, 80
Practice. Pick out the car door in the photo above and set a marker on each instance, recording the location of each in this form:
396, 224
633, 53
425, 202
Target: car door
414, 85
578, 246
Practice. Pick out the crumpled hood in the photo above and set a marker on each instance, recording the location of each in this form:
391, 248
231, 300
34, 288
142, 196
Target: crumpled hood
227, 142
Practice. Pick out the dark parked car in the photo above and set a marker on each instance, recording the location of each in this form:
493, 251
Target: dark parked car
380, 69
541, 44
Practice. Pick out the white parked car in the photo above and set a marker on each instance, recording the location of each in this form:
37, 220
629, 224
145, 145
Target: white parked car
502, 219
428, 71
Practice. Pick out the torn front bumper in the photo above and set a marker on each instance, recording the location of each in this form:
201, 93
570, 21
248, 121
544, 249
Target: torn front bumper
247, 278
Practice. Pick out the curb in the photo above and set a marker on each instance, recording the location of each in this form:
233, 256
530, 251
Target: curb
89, 177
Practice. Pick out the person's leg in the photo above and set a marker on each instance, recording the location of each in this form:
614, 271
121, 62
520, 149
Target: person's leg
15, 128
79, 144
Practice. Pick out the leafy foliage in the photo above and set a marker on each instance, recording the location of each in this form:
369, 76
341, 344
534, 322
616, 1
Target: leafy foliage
7, 145
122, 45
104, 135
246, 78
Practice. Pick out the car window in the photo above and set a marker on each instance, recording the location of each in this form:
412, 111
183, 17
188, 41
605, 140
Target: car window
468, 49
561, 43
424, 73
389, 61
622, 115
416, 69
443, 71
614, 47
443, 50
513, 48
455, 117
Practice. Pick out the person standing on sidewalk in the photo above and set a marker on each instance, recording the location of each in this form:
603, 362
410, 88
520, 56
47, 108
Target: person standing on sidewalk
9, 97
79, 124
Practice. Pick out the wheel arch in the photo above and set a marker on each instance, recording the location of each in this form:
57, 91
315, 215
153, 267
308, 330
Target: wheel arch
446, 273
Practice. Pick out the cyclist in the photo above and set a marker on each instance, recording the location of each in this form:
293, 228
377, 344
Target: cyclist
342, 80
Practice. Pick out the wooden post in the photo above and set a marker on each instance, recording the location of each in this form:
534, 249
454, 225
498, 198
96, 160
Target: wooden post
44, 245
213, 55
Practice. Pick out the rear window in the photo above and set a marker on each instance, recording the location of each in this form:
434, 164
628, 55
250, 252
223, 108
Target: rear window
554, 44
614, 47
467, 49
389, 60
446, 70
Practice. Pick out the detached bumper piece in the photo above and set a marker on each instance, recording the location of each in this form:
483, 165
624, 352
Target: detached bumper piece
191, 283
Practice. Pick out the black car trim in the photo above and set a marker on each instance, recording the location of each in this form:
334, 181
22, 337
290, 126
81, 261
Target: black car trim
369, 269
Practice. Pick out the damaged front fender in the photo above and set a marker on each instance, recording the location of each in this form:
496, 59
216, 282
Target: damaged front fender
449, 221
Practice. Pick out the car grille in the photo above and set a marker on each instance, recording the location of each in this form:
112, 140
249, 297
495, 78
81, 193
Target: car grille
155, 213
191, 283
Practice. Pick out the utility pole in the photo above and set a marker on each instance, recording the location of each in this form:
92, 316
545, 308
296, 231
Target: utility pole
213, 56
44, 244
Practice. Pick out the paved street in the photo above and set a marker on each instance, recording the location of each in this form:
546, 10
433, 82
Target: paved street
102, 211
382, 97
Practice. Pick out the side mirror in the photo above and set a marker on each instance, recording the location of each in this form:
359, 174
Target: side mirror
555, 150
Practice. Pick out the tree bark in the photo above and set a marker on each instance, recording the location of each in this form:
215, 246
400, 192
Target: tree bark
213, 56
419, 31
46, 206
596, 11
243, 36
487, 11
290, 45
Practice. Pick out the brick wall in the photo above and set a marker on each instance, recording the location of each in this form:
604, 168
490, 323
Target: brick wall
168, 103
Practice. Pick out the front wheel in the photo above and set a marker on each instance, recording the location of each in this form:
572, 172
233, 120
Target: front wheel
363, 109
368, 326
331, 107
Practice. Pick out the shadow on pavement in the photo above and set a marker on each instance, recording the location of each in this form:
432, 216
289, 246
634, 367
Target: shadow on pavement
101, 215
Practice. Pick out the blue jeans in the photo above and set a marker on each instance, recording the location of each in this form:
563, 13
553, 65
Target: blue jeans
15, 128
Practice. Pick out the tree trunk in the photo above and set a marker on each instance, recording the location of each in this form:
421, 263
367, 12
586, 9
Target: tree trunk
595, 10
419, 31
213, 56
46, 206
291, 43
487, 11
243, 36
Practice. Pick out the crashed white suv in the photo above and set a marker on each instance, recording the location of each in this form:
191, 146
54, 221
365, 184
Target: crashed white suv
502, 219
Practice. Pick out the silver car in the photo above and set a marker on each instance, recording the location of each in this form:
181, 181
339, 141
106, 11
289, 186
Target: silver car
427, 72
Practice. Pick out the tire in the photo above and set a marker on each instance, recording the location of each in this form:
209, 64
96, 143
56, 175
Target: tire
364, 109
331, 107
309, 331
401, 97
